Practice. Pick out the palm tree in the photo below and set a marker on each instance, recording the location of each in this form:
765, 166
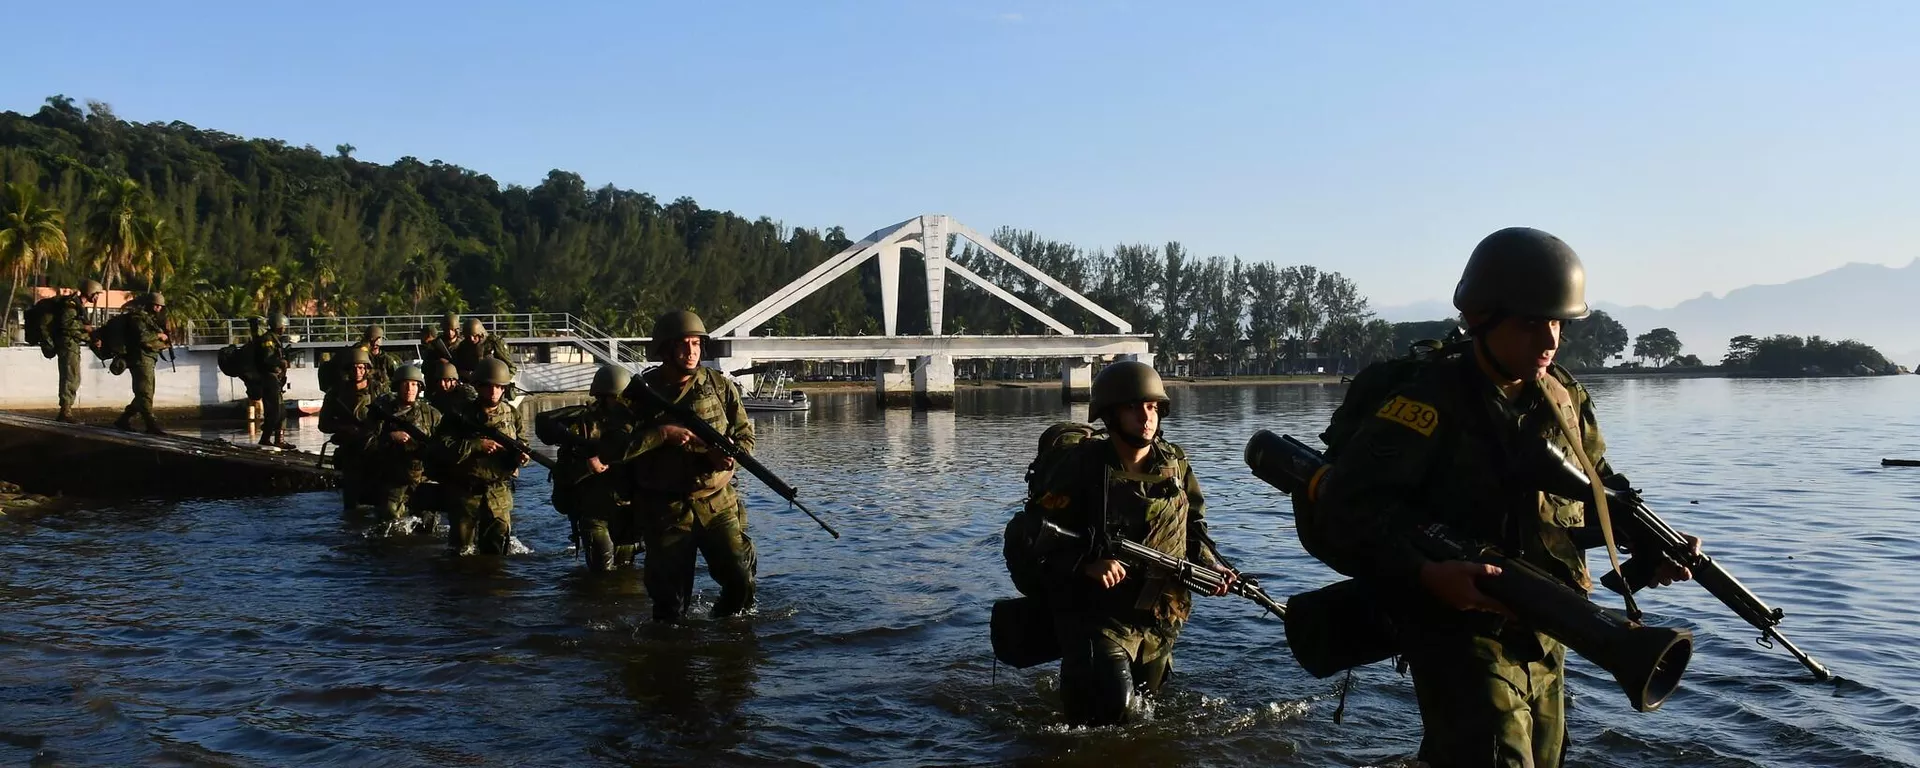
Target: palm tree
30, 234
155, 251
116, 229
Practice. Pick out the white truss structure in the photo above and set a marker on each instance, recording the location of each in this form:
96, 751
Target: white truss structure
926, 234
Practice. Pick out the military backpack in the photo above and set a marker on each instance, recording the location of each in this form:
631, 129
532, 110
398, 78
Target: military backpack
1017, 547
115, 338
39, 325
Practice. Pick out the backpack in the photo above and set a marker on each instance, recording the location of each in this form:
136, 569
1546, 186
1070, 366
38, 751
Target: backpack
39, 326
334, 367
1017, 545
235, 361
1372, 387
114, 339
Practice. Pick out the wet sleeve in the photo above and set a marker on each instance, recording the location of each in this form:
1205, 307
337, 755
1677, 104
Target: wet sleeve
1366, 503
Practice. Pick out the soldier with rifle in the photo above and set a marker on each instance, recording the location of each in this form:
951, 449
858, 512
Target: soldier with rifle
144, 341
1114, 614
477, 457
396, 463
344, 416
1443, 449
595, 503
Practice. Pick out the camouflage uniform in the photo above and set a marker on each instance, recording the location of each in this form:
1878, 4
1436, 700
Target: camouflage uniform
142, 353
467, 355
397, 470
70, 337
345, 416
1114, 641
598, 504
1491, 691
267, 382
478, 486
685, 508
380, 370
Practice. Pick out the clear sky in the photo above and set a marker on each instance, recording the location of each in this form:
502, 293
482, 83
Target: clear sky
1680, 147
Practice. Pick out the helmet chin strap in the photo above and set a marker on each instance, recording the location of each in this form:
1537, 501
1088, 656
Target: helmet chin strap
1479, 334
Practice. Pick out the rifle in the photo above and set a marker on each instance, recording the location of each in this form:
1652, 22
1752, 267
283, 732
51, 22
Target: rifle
1654, 540
1196, 577
719, 442
378, 408
494, 434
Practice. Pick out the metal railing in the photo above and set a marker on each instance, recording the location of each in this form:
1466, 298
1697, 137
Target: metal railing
406, 330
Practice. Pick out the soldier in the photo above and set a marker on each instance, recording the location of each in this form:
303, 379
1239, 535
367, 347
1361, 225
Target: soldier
146, 338
267, 379
344, 415
593, 499
477, 346
683, 494
382, 363
1116, 626
445, 390
71, 334
396, 462
434, 349
1492, 690
478, 470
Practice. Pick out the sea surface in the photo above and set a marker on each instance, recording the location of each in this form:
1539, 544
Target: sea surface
276, 632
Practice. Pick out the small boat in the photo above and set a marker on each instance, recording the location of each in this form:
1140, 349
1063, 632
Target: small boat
304, 407
776, 397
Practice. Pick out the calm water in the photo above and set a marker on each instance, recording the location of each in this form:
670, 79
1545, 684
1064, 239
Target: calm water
271, 632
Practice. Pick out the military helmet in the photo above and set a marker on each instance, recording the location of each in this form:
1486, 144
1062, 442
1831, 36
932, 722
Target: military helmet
92, 287
279, 323
492, 371
473, 327
408, 373
359, 356
674, 326
153, 299
610, 380
373, 333
1127, 381
449, 320
1523, 272
427, 332
444, 370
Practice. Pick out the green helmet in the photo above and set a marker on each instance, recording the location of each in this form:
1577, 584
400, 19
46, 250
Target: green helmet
154, 299
279, 323
473, 327
676, 325
1128, 381
427, 332
359, 356
373, 333
408, 373
449, 321
445, 370
610, 380
1522, 272
492, 371
92, 287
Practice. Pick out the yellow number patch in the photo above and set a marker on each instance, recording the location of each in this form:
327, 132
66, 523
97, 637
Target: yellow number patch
1412, 414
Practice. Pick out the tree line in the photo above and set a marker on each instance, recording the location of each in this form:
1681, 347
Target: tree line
230, 226
1590, 343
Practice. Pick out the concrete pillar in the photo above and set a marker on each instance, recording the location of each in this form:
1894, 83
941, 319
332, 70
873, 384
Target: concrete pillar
892, 383
933, 382
1076, 380
1144, 357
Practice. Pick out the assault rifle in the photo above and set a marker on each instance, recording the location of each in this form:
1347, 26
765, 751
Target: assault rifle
1196, 577
379, 408
685, 417
493, 433
1654, 541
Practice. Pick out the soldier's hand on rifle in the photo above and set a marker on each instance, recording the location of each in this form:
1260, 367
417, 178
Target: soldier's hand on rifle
679, 435
719, 461
1107, 572
595, 465
487, 445
1454, 583
163, 337
399, 436
1669, 571
1227, 585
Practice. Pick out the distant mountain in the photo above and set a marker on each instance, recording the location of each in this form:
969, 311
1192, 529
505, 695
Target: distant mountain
1868, 302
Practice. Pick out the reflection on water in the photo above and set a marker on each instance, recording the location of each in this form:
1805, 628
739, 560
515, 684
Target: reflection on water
273, 631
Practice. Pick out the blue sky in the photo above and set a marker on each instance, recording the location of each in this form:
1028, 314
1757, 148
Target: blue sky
1681, 148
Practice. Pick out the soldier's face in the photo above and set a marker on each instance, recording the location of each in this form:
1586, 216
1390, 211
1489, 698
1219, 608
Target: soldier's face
1524, 346
684, 354
360, 372
491, 394
1135, 423
409, 391
447, 385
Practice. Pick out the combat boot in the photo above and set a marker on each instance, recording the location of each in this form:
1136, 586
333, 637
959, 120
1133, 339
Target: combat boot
65, 417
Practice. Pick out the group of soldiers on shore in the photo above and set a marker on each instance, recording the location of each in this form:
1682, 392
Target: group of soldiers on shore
415, 443
68, 331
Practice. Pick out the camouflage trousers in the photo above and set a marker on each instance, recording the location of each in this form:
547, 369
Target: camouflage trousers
141, 368
480, 518
69, 358
1107, 665
1484, 702
399, 499
608, 534
678, 531
273, 410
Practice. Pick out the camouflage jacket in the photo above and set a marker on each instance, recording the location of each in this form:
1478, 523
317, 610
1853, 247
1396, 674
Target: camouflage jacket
460, 458
344, 415
658, 468
70, 322
404, 462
